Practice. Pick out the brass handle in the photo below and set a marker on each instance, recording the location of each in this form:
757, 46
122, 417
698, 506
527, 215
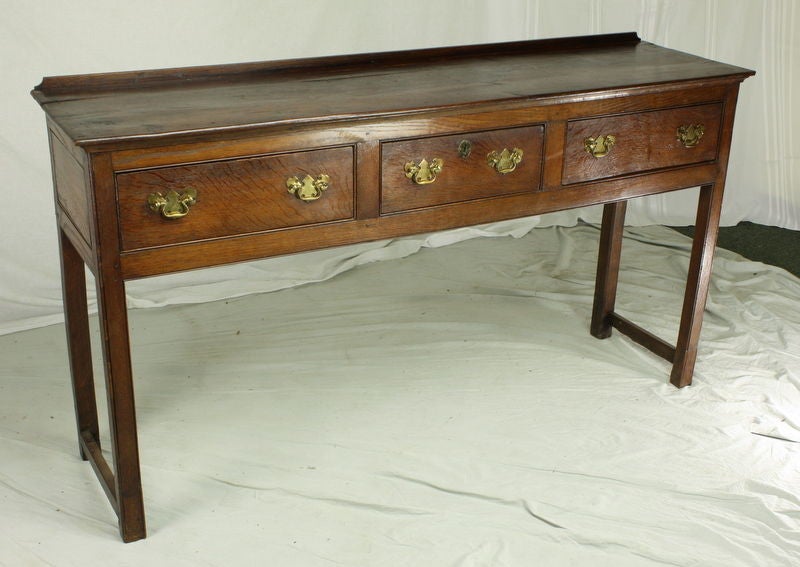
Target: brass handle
309, 189
505, 161
689, 134
423, 172
173, 205
599, 146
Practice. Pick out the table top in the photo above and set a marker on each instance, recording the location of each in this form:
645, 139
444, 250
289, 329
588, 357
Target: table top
109, 107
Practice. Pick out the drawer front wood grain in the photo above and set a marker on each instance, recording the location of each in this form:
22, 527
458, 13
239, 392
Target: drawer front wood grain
234, 197
465, 172
643, 141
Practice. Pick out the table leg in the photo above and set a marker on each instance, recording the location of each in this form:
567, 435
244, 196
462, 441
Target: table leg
694, 302
121, 409
76, 322
605, 291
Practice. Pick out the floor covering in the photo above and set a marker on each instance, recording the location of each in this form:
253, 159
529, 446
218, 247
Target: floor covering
448, 408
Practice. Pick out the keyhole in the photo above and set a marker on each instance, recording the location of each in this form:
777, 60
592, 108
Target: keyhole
464, 148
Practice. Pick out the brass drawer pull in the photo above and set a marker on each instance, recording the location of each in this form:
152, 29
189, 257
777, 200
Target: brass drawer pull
309, 189
689, 134
173, 205
423, 172
506, 161
600, 146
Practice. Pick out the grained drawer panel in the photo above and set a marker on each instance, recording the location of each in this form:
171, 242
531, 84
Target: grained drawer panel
643, 141
234, 197
463, 176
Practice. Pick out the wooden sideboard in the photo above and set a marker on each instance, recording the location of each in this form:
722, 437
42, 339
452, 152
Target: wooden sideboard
169, 170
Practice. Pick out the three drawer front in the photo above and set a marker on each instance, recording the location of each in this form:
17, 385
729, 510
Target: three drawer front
170, 205
426, 172
598, 148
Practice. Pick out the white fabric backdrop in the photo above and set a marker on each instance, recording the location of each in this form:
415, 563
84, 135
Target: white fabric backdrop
449, 409
52, 38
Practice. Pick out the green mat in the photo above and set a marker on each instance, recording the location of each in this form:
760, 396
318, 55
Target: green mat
768, 244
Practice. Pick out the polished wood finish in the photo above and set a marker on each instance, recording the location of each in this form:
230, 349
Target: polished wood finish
644, 337
644, 141
463, 178
705, 239
235, 133
605, 290
252, 96
69, 181
235, 197
115, 343
76, 321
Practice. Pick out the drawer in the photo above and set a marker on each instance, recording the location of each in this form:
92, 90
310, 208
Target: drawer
234, 197
642, 142
426, 172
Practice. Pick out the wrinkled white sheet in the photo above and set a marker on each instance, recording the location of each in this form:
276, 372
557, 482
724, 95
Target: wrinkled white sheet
444, 409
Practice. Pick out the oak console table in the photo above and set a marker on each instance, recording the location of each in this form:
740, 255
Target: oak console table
168, 170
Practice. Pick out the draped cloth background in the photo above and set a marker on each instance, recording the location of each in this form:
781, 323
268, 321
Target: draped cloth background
447, 409
52, 38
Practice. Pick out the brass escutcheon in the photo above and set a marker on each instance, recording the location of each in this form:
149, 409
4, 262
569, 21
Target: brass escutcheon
506, 161
423, 172
600, 146
689, 134
173, 205
464, 148
309, 189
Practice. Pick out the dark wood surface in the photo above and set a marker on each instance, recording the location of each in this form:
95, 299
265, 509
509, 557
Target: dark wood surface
76, 321
203, 253
235, 197
644, 141
608, 258
94, 109
127, 498
462, 178
235, 133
